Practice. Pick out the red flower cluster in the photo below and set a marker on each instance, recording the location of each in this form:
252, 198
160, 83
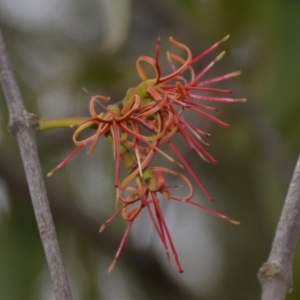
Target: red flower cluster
150, 115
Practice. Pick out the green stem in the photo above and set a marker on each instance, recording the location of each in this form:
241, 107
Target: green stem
48, 123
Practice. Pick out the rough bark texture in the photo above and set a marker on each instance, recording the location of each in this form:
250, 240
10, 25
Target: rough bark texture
22, 125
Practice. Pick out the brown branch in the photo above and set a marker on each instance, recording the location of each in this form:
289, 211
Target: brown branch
23, 125
275, 275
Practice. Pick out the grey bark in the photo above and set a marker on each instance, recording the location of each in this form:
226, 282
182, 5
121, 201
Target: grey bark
23, 125
275, 275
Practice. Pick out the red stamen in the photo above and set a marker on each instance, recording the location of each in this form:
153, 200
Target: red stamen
202, 73
219, 78
210, 49
215, 99
129, 225
187, 87
210, 117
66, 159
186, 164
166, 230
195, 145
110, 219
210, 90
157, 50
116, 147
212, 212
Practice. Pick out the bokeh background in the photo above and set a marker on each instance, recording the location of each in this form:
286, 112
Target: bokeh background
57, 48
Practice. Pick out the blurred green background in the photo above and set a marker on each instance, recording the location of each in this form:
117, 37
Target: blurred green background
57, 47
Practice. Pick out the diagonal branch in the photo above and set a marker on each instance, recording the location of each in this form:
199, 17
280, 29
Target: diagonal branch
23, 126
275, 275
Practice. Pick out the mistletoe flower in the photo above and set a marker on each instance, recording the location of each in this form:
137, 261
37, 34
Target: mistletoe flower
150, 115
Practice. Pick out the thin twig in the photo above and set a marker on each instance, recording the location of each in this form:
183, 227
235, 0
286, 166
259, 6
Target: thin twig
23, 125
275, 275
